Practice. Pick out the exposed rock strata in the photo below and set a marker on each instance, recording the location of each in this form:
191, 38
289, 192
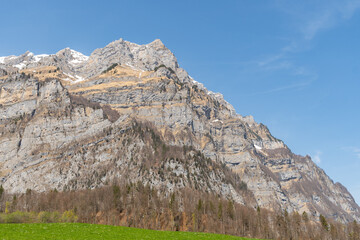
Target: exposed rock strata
48, 139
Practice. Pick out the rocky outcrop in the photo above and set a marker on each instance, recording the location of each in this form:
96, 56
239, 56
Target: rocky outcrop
67, 122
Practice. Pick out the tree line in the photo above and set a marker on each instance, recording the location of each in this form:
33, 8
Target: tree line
137, 205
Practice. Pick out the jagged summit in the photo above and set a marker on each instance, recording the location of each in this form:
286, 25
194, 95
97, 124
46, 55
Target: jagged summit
73, 57
28, 59
78, 67
64, 120
144, 57
157, 43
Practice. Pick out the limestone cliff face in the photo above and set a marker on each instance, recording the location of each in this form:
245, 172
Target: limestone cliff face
67, 122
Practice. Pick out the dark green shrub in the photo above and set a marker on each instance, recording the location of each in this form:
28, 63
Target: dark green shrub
158, 67
110, 68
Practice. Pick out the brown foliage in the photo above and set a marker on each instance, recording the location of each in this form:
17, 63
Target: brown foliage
109, 113
126, 203
135, 205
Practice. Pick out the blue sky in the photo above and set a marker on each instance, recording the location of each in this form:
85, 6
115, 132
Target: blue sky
293, 65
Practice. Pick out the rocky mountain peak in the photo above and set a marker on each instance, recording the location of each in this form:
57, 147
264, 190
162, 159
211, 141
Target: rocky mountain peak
26, 60
71, 58
64, 116
72, 55
143, 57
157, 43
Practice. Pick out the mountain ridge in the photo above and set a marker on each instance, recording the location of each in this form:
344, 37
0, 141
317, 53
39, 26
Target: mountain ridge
182, 110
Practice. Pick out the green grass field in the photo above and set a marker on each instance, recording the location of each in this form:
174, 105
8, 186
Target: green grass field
83, 231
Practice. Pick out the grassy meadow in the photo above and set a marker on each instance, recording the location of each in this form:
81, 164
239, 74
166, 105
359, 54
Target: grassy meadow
64, 231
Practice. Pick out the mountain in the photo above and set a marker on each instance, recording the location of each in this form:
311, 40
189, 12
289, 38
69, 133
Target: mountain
70, 121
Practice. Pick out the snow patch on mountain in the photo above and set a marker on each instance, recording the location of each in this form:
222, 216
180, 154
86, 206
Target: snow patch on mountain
77, 57
20, 65
22, 61
39, 57
73, 79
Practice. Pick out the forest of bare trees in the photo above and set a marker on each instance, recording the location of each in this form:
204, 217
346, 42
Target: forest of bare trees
135, 205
